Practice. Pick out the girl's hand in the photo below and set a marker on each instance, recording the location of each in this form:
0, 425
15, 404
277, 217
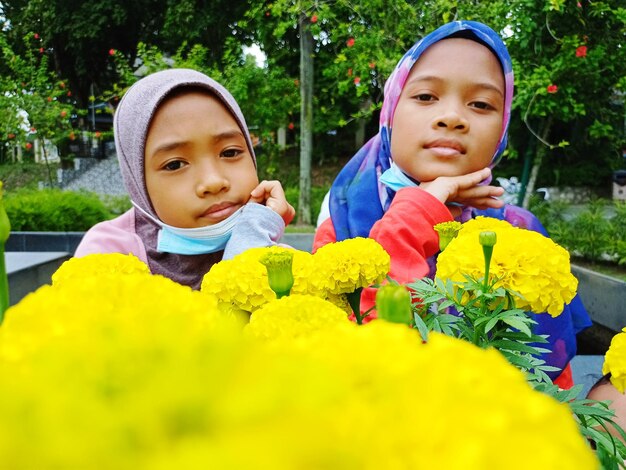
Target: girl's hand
465, 190
271, 194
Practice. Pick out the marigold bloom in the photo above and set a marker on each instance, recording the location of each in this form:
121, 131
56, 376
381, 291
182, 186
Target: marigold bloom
447, 231
615, 361
144, 373
294, 316
345, 266
109, 264
526, 263
243, 281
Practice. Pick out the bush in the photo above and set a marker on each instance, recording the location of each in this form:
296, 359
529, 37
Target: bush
593, 234
53, 210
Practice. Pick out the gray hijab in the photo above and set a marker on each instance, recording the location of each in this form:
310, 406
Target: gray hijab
131, 123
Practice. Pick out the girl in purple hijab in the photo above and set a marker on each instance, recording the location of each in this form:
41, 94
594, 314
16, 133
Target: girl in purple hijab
189, 167
443, 126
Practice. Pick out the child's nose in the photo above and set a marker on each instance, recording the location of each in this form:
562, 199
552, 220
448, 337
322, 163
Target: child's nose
452, 119
211, 181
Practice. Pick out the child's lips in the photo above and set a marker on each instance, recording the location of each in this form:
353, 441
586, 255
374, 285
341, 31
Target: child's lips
445, 148
221, 211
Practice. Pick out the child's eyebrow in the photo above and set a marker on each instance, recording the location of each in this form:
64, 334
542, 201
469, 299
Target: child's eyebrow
434, 78
169, 146
228, 135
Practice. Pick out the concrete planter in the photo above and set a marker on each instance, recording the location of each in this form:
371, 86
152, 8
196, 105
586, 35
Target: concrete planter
604, 297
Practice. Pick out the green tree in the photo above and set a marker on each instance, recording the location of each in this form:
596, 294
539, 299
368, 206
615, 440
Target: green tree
35, 103
570, 67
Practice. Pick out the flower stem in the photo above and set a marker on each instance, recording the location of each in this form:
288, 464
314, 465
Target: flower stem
354, 299
4, 285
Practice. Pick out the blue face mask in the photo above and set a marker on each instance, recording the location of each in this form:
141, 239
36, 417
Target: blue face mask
194, 241
395, 179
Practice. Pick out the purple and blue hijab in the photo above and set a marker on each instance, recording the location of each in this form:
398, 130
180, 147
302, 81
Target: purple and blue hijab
358, 198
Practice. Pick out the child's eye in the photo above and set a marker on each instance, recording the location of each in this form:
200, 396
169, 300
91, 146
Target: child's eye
231, 153
424, 97
481, 105
174, 165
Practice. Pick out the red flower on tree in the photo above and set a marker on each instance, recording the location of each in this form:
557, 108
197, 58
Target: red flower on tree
372, 65
63, 113
28, 146
314, 19
350, 42
111, 51
291, 126
357, 80
98, 134
36, 36
581, 51
41, 50
552, 88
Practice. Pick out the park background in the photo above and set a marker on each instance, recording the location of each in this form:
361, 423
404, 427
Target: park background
311, 96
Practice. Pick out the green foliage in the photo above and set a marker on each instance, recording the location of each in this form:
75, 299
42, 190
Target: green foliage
266, 95
24, 175
34, 101
116, 205
54, 210
596, 233
317, 196
576, 49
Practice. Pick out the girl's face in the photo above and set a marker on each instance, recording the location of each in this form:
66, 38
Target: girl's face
449, 115
198, 168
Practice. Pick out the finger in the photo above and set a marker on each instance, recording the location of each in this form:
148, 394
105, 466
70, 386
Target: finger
472, 179
479, 191
487, 203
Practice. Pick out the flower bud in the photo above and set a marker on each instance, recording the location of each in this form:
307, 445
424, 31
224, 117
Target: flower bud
487, 238
5, 231
393, 303
447, 232
279, 274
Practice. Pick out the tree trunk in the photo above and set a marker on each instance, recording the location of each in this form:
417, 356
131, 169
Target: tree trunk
306, 120
359, 135
542, 150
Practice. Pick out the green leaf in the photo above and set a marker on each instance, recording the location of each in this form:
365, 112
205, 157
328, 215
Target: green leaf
517, 323
421, 326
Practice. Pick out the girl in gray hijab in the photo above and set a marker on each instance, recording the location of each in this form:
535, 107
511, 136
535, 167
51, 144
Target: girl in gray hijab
189, 167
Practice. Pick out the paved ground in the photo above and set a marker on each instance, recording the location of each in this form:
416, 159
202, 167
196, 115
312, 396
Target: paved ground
102, 178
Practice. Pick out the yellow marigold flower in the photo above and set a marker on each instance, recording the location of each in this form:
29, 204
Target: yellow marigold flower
447, 232
97, 265
243, 282
525, 261
345, 266
140, 374
295, 316
615, 361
